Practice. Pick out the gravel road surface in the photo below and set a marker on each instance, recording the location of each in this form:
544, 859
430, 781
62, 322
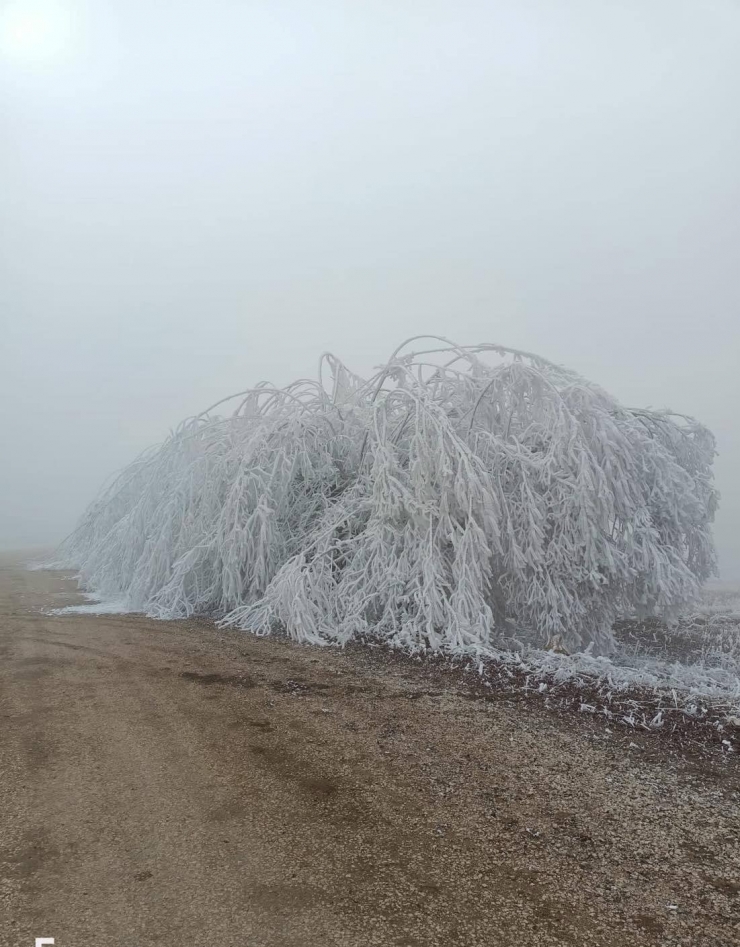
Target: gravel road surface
170, 783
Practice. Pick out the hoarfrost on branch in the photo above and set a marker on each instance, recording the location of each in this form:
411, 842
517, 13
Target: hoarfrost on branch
463, 498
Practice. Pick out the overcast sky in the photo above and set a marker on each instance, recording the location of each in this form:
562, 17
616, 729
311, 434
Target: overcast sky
196, 196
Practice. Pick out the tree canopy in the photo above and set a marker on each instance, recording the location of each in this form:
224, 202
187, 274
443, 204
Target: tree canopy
463, 497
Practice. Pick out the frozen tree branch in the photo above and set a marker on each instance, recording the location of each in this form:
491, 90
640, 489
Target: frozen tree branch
464, 497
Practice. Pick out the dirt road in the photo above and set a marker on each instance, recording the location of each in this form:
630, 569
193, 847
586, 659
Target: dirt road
168, 783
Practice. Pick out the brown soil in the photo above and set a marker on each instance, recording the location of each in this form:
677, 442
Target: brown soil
170, 783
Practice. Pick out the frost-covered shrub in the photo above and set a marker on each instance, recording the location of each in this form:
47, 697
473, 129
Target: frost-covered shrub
463, 497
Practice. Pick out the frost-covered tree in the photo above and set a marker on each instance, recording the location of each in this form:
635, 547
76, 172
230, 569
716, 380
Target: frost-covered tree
464, 497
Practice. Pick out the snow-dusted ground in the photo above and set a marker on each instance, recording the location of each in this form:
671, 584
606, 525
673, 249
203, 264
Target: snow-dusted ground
93, 607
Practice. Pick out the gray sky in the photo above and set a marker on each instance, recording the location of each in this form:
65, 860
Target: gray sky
196, 196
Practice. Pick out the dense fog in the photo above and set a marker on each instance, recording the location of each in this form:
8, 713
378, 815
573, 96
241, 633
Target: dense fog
196, 197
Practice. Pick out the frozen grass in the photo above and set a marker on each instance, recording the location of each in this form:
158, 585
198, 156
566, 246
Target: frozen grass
708, 635
657, 673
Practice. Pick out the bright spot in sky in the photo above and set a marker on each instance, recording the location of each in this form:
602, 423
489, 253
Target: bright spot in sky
35, 33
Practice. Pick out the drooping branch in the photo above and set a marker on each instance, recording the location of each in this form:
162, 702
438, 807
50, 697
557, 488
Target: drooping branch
463, 497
